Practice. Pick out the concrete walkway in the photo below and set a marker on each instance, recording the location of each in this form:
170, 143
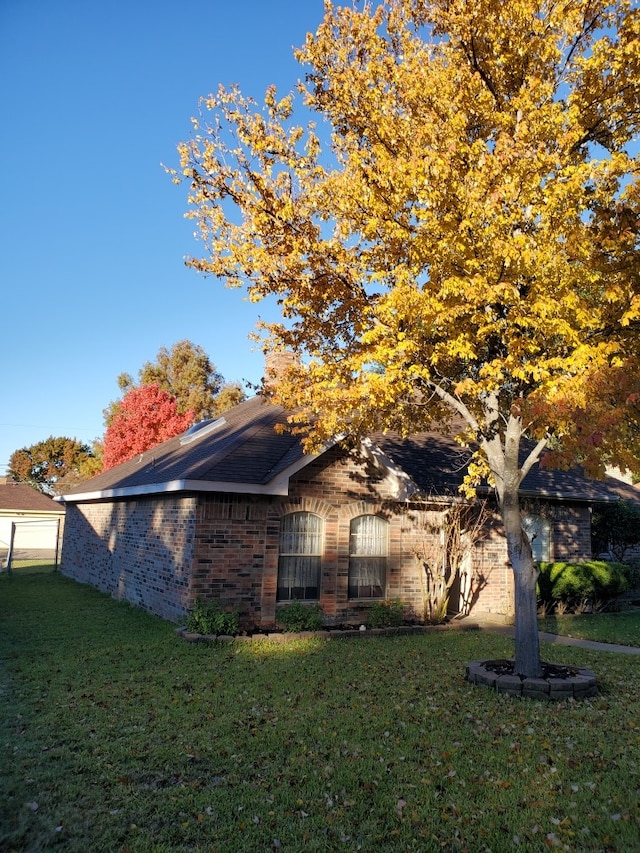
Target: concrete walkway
559, 640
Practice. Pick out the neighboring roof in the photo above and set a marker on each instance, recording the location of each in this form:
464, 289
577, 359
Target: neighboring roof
243, 452
624, 490
21, 497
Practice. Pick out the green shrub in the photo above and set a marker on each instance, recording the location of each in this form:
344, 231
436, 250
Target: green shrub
386, 614
634, 573
208, 618
297, 616
573, 583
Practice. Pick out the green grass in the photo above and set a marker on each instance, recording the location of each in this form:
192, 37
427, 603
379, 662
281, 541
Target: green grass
25, 567
622, 627
119, 736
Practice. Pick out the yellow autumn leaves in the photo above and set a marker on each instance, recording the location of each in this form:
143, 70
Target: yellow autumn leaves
461, 221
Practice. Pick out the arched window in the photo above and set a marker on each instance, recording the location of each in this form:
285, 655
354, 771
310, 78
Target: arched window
368, 549
538, 530
299, 557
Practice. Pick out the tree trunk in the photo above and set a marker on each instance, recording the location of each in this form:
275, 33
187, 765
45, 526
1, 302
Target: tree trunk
502, 450
525, 572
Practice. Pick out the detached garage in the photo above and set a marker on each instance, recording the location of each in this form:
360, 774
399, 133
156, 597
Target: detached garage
30, 523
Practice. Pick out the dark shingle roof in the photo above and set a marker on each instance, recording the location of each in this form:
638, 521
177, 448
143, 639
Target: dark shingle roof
624, 490
437, 465
21, 497
242, 448
244, 452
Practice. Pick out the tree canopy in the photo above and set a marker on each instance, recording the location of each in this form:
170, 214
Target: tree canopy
52, 464
458, 235
146, 416
188, 374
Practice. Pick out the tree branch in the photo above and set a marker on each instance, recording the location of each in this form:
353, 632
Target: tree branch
533, 457
456, 404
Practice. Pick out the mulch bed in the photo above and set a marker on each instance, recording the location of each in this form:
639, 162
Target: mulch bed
549, 670
558, 681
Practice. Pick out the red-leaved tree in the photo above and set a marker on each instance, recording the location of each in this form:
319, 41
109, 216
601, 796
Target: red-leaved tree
147, 416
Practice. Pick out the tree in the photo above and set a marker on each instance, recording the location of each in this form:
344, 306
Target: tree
230, 395
51, 463
87, 467
615, 528
188, 374
146, 416
444, 557
465, 243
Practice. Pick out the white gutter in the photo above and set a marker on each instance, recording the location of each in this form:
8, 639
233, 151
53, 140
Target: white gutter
278, 486
272, 488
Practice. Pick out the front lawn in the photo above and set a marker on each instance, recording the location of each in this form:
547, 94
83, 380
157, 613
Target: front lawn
119, 736
622, 628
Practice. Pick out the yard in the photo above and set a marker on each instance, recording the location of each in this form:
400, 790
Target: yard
119, 736
622, 627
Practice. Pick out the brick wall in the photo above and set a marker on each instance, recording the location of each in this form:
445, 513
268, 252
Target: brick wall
138, 550
234, 537
237, 539
339, 488
493, 592
571, 532
163, 552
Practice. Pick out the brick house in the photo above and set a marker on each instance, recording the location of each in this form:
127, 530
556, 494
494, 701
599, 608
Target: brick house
234, 510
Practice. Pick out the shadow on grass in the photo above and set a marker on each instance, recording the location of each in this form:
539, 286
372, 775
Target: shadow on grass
31, 567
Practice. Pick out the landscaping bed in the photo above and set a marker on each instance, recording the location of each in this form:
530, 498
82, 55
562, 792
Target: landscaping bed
333, 632
557, 681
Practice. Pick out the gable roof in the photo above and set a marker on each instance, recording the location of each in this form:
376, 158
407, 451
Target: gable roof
239, 452
21, 497
243, 452
437, 465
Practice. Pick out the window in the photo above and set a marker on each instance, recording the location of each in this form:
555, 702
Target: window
368, 547
300, 554
538, 529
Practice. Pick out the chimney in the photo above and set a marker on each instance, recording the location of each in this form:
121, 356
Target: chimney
277, 363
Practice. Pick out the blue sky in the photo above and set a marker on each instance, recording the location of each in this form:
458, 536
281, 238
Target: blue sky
94, 96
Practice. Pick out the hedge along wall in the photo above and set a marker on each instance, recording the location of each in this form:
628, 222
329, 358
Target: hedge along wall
138, 550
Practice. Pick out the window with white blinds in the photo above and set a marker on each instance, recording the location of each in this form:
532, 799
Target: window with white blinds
301, 535
368, 549
538, 530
